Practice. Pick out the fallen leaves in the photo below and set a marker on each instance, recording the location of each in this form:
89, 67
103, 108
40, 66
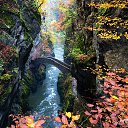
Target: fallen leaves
68, 114
26, 122
64, 119
58, 119
68, 120
76, 117
93, 121
90, 105
87, 113
113, 105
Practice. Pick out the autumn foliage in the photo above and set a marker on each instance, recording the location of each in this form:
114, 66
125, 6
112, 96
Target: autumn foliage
111, 21
20, 121
110, 110
65, 120
6, 53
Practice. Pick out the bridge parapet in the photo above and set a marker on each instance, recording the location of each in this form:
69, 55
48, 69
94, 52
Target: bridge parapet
62, 66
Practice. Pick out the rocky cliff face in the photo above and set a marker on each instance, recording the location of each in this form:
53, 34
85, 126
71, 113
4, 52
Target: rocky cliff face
19, 26
101, 32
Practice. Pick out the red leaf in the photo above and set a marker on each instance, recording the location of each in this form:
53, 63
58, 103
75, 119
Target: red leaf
102, 97
99, 109
64, 119
112, 82
106, 92
111, 100
39, 123
111, 74
109, 109
93, 121
24, 126
100, 116
90, 105
119, 78
106, 124
58, 119
115, 123
22, 121
93, 110
87, 113
12, 126
113, 117
120, 105
96, 116
125, 80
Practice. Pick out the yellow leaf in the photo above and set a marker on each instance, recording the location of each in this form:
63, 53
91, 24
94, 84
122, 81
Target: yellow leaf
71, 125
31, 125
63, 126
114, 97
76, 117
30, 121
68, 114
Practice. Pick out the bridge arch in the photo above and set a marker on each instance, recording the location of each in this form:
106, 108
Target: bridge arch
62, 66
85, 79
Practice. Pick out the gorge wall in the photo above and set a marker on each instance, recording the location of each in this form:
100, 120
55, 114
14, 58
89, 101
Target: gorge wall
97, 37
19, 25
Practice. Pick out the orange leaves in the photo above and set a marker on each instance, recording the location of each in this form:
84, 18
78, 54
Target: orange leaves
31, 124
57, 119
67, 120
125, 80
106, 125
112, 107
26, 122
76, 117
93, 121
39, 123
82, 57
87, 113
90, 105
111, 100
120, 105
64, 119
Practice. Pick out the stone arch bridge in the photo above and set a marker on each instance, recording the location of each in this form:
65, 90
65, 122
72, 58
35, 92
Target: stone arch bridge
62, 66
85, 79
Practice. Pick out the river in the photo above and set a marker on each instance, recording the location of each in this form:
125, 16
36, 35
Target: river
46, 100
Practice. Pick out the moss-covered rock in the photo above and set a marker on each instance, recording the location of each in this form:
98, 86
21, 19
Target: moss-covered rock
19, 25
66, 92
6, 38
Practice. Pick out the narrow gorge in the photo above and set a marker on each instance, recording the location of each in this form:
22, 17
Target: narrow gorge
63, 64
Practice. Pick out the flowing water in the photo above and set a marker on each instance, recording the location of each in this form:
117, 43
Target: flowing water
46, 100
